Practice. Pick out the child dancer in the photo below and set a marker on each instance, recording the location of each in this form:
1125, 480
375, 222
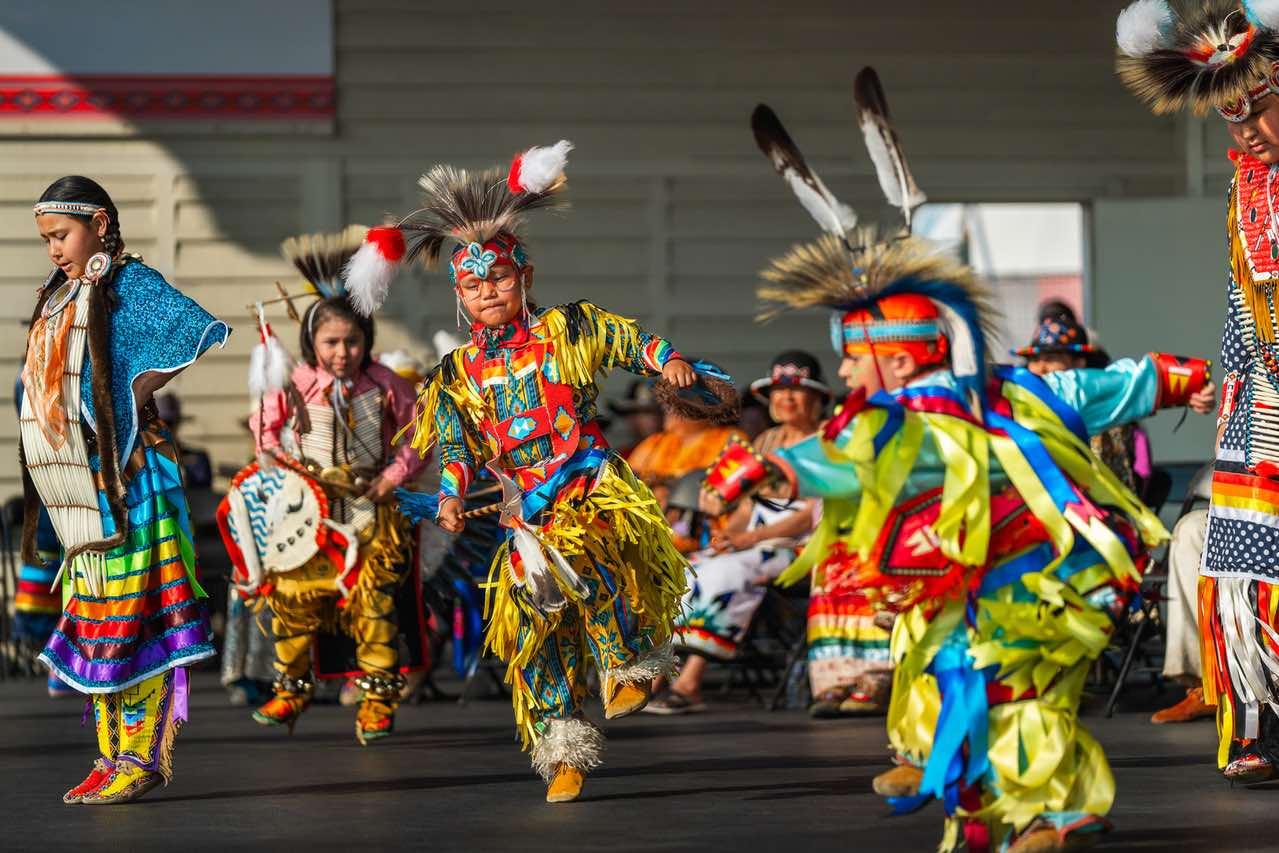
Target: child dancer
588, 571
107, 333
332, 424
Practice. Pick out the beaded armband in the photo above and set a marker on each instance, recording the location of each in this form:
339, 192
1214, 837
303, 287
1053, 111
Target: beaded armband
739, 471
1230, 385
1179, 378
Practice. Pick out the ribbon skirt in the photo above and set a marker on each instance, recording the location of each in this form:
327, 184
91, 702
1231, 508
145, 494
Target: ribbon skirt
140, 616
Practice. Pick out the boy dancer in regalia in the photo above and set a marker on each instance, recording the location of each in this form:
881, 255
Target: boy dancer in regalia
966, 500
588, 573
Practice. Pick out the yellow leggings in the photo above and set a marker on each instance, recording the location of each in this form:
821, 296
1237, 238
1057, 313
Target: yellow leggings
138, 724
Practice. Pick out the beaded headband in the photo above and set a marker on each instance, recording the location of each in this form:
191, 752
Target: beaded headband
72, 208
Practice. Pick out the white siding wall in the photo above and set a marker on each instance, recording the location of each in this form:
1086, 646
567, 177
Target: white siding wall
674, 208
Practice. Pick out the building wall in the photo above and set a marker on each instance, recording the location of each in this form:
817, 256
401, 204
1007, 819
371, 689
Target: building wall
674, 208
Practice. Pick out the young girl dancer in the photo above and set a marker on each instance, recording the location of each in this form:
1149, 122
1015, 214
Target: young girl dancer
107, 333
333, 426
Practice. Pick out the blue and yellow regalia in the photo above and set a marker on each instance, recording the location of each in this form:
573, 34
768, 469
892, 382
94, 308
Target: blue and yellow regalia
966, 501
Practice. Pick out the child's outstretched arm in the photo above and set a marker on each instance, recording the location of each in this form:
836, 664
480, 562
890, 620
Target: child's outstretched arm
621, 342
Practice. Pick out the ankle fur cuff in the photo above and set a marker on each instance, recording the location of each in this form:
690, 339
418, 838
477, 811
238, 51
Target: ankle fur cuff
658, 661
574, 742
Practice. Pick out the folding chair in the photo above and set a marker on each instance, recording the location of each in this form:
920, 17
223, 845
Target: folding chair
1152, 593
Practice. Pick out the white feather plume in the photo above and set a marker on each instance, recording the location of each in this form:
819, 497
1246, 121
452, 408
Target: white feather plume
279, 364
569, 578
539, 580
540, 168
368, 277
270, 365
1147, 26
257, 370
1263, 13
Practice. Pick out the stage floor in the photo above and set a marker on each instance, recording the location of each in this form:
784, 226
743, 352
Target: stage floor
736, 778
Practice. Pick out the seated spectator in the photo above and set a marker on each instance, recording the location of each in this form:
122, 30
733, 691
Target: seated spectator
758, 542
1060, 343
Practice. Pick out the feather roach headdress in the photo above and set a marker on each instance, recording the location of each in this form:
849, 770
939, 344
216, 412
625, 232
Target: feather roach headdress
888, 293
482, 213
895, 292
320, 258
1215, 54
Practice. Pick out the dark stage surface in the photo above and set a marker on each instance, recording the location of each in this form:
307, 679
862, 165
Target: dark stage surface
451, 778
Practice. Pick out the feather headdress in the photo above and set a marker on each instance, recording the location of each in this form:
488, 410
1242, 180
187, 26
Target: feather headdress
320, 258
822, 274
1216, 54
853, 273
462, 207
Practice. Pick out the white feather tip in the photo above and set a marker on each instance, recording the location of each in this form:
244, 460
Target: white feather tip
540, 168
368, 277
270, 367
1148, 25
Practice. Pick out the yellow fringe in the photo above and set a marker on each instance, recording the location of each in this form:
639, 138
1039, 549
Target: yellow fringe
309, 591
169, 733
576, 364
618, 525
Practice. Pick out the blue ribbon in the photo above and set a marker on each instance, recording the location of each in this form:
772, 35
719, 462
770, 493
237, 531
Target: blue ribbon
896, 417
1022, 377
586, 461
467, 645
1041, 461
963, 719
1012, 570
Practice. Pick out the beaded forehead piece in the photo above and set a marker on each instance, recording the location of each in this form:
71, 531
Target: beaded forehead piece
72, 208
